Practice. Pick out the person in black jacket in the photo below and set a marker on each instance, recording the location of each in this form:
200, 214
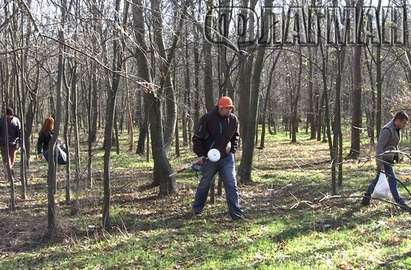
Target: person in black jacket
45, 135
218, 129
13, 136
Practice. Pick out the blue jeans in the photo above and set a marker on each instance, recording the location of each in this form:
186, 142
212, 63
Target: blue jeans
392, 182
226, 169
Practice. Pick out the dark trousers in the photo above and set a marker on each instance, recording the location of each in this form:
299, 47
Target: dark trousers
226, 169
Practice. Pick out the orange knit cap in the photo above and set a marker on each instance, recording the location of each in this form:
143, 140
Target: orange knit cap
225, 102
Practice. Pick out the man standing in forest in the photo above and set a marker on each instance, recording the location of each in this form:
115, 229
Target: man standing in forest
218, 129
388, 142
13, 136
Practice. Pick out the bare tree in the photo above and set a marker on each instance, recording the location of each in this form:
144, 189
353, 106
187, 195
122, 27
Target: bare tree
162, 169
356, 125
111, 103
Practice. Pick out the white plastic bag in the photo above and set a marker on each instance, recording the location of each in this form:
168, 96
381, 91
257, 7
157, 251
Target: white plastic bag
382, 188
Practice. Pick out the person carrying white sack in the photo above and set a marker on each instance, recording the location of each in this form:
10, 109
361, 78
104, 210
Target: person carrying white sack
218, 131
388, 143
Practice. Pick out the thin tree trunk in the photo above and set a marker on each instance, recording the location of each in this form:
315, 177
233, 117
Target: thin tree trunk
248, 146
166, 85
196, 73
18, 89
76, 123
311, 119
66, 138
51, 179
177, 138
23, 163
356, 126
208, 70
245, 69
129, 113
294, 112
117, 141
143, 125
379, 81
111, 103
327, 117
337, 140
371, 122
162, 169
7, 164
90, 127
186, 111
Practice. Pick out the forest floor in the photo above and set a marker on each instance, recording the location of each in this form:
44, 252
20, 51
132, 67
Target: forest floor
287, 225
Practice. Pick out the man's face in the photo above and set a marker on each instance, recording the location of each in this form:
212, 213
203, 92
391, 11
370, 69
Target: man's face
400, 124
225, 112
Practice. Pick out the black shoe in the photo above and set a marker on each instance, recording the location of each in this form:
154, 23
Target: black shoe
239, 217
405, 207
197, 213
365, 200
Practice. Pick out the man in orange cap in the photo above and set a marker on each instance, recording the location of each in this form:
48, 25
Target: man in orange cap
218, 129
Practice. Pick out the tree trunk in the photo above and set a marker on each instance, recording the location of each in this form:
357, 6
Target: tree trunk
356, 126
108, 129
311, 119
196, 54
208, 71
379, 81
264, 117
371, 114
162, 169
111, 103
117, 141
327, 127
51, 179
245, 69
7, 164
177, 138
66, 138
130, 125
143, 124
294, 111
186, 111
166, 85
75, 123
19, 78
337, 139
248, 143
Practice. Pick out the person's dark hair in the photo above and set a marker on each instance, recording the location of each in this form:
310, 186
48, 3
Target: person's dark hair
9, 111
402, 116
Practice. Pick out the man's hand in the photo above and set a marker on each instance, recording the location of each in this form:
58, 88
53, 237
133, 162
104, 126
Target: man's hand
40, 156
397, 158
201, 160
228, 148
380, 166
